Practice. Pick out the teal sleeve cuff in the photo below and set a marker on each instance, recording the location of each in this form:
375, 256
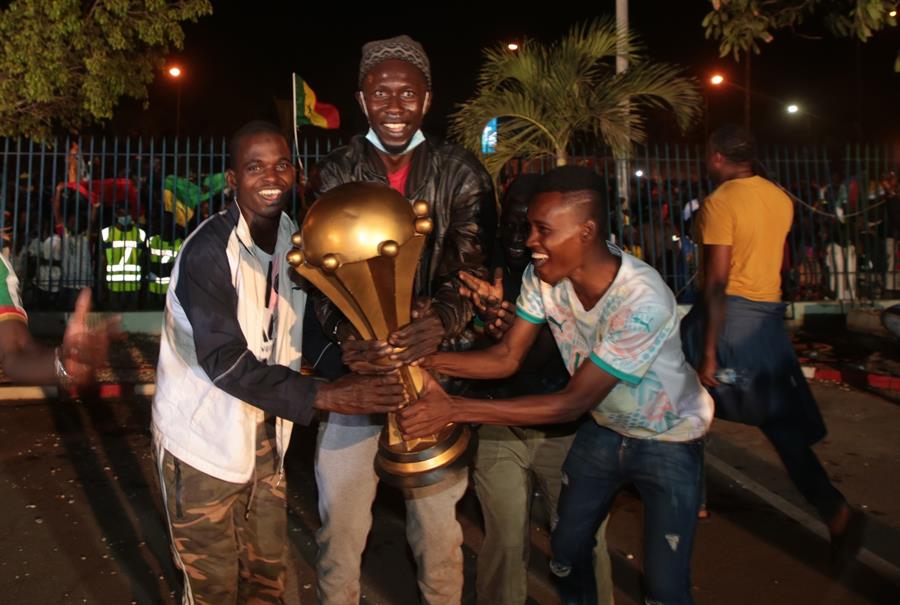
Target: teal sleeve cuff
632, 380
529, 317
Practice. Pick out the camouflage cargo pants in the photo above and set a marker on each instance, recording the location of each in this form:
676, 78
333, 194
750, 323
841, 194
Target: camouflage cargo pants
229, 539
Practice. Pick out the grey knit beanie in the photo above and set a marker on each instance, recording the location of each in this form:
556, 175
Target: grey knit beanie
402, 48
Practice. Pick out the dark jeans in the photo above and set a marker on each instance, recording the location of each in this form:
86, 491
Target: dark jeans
803, 467
668, 477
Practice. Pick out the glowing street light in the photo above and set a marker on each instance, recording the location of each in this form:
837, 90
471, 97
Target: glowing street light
512, 46
792, 108
175, 72
638, 173
715, 80
893, 13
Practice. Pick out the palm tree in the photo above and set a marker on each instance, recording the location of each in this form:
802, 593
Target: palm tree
546, 94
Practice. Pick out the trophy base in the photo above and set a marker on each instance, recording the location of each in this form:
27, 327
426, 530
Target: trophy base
426, 466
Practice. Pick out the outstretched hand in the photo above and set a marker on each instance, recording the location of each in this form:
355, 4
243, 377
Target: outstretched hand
85, 346
496, 314
482, 293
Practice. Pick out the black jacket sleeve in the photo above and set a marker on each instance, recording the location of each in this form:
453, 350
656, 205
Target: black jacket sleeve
468, 243
209, 300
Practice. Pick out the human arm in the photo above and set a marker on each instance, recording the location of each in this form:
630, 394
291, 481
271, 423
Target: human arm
716, 267
205, 292
435, 409
84, 347
715, 232
472, 224
500, 360
57, 209
504, 357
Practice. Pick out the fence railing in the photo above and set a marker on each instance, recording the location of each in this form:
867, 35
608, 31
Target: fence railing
111, 213
843, 244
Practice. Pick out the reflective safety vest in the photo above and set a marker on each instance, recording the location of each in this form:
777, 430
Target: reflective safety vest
161, 258
124, 250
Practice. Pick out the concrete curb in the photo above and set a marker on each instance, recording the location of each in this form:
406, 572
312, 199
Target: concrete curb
873, 561
12, 393
852, 377
147, 389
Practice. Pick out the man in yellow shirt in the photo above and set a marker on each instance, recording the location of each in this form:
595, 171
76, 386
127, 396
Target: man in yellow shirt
736, 339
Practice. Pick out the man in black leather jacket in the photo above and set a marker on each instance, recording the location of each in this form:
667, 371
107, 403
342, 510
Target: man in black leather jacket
395, 93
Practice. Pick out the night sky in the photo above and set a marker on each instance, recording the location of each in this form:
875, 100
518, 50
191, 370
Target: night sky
237, 61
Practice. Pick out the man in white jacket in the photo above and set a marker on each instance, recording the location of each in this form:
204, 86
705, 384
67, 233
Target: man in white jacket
229, 387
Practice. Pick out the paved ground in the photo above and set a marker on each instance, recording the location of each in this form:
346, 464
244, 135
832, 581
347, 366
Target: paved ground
83, 524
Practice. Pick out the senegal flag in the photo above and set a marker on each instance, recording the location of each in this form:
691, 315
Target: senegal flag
307, 110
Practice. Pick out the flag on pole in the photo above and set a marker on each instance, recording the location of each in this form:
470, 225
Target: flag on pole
307, 110
181, 197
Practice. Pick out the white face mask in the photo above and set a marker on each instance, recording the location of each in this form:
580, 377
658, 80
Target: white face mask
417, 139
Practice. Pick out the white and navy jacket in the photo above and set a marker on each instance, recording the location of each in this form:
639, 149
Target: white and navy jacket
214, 381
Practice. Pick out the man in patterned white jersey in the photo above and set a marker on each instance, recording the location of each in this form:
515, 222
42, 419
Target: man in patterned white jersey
615, 323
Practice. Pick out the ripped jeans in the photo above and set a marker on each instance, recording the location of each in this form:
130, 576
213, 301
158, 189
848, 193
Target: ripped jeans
667, 476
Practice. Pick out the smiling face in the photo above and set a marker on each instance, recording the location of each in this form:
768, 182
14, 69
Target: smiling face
262, 175
395, 98
561, 234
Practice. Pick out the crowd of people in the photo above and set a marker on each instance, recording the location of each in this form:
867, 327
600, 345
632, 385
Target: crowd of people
117, 236
843, 244
564, 349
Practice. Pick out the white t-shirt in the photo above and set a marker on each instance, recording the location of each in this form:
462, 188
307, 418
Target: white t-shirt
632, 333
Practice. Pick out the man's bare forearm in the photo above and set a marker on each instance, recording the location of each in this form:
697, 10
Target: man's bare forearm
522, 411
493, 362
715, 305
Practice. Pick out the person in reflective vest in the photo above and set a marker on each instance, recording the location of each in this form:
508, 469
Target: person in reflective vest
123, 245
162, 248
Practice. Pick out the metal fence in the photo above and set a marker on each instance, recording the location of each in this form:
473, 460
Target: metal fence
111, 212
842, 245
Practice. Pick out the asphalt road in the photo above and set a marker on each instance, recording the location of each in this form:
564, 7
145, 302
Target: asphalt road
82, 521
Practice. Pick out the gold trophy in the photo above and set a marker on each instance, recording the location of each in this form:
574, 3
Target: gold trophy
360, 245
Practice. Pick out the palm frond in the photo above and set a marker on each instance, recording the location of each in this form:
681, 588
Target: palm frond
545, 94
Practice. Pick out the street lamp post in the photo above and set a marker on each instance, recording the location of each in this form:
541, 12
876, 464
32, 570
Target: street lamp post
715, 80
175, 72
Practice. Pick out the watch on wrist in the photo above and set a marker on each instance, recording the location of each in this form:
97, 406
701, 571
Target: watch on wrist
62, 376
